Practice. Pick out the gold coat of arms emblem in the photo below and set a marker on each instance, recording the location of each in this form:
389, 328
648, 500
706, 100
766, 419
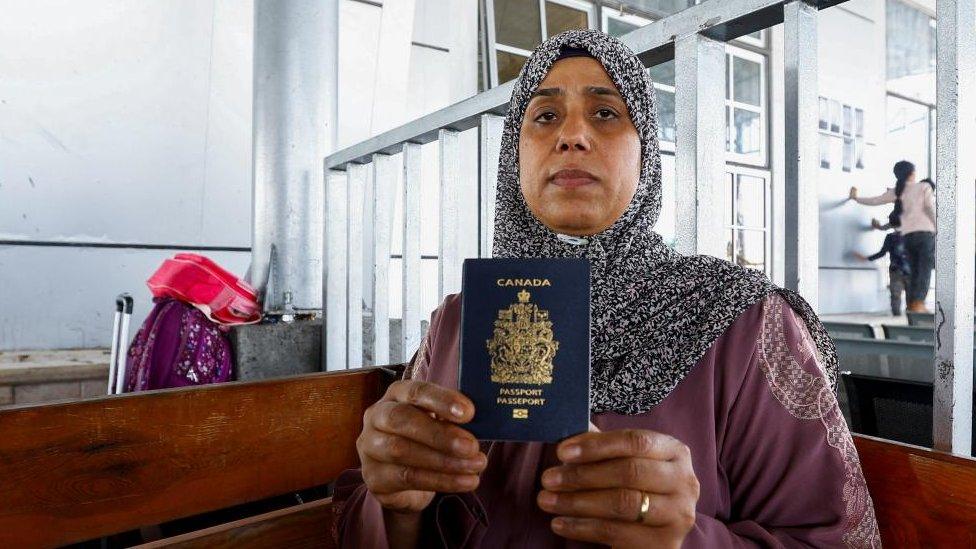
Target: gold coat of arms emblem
522, 346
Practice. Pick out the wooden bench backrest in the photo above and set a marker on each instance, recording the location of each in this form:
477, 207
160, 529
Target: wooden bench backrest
922, 498
80, 470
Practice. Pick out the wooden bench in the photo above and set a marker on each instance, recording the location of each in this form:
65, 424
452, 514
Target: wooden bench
80, 470
76, 471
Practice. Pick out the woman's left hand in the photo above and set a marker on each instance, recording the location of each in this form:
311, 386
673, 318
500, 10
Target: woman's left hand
626, 488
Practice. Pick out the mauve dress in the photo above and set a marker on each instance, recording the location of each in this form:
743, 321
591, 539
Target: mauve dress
775, 461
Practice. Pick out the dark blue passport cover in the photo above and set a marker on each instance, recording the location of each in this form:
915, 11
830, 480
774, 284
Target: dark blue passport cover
525, 347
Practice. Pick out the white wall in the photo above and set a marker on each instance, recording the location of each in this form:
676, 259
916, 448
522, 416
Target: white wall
123, 121
852, 71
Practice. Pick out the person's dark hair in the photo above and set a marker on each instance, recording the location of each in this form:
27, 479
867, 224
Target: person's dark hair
929, 181
903, 170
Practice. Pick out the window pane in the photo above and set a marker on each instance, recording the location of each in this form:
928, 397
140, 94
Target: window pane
824, 114
859, 122
560, 18
747, 81
750, 202
517, 24
729, 246
666, 7
835, 114
728, 70
910, 44
730, 204
825, 151
665, 115
908, 134
663, 73
748, 133
751, 249
848, 154
848, 120
616, 27
509, 66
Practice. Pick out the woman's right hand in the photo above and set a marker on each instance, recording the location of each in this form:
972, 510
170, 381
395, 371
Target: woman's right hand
853, 193
411, 446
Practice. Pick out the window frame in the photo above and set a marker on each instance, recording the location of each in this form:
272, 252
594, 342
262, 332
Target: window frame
750, 159
734, 172
755, 42
588, 7
494, 46
633, 19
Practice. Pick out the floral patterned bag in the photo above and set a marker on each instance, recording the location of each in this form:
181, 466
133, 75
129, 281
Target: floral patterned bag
177, 346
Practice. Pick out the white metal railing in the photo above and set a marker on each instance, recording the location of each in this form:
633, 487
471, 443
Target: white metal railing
694, 37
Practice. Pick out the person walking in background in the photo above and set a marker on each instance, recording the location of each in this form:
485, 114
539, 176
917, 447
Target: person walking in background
914, 215
899, 270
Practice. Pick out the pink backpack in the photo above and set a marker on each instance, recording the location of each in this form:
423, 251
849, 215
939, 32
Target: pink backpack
217, 293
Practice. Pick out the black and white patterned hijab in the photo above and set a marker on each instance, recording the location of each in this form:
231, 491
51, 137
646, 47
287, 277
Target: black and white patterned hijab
654, 312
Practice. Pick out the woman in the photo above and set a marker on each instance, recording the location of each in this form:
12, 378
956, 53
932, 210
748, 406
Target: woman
713, 411
914, 214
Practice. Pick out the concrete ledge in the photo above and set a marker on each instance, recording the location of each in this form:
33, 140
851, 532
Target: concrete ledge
45, 376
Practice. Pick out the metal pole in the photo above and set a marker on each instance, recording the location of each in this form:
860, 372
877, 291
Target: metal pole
294, 127
449, 253
336, 273
358, 177
489, 146
700, 145
956, 209
384, 187
411, 274
802, 227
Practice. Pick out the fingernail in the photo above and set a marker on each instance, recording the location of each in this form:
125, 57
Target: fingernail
552, 478
461, 445
457, 410
547, 499
559, 523
571, 452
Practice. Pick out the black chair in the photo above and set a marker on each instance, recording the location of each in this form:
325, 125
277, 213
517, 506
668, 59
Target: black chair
910, 333
849, 330
893, 409
924, 320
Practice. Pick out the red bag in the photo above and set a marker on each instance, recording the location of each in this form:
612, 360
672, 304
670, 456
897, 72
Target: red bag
197, 280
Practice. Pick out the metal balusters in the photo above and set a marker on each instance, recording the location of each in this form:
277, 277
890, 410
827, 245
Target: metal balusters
448, 249
411, 314
489, 146
358, 175
700, 144
336, 271
802, 226
956, 201
384, 187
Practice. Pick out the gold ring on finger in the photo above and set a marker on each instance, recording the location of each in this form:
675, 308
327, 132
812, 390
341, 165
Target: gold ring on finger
645, 506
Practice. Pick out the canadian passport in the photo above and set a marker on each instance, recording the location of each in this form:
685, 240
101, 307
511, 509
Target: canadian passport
525, 347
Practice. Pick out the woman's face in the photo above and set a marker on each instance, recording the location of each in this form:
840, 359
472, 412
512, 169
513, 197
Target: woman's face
579, 153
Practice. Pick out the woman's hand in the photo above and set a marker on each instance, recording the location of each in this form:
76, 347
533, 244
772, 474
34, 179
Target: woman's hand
853, 193
627, 488
411, 446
